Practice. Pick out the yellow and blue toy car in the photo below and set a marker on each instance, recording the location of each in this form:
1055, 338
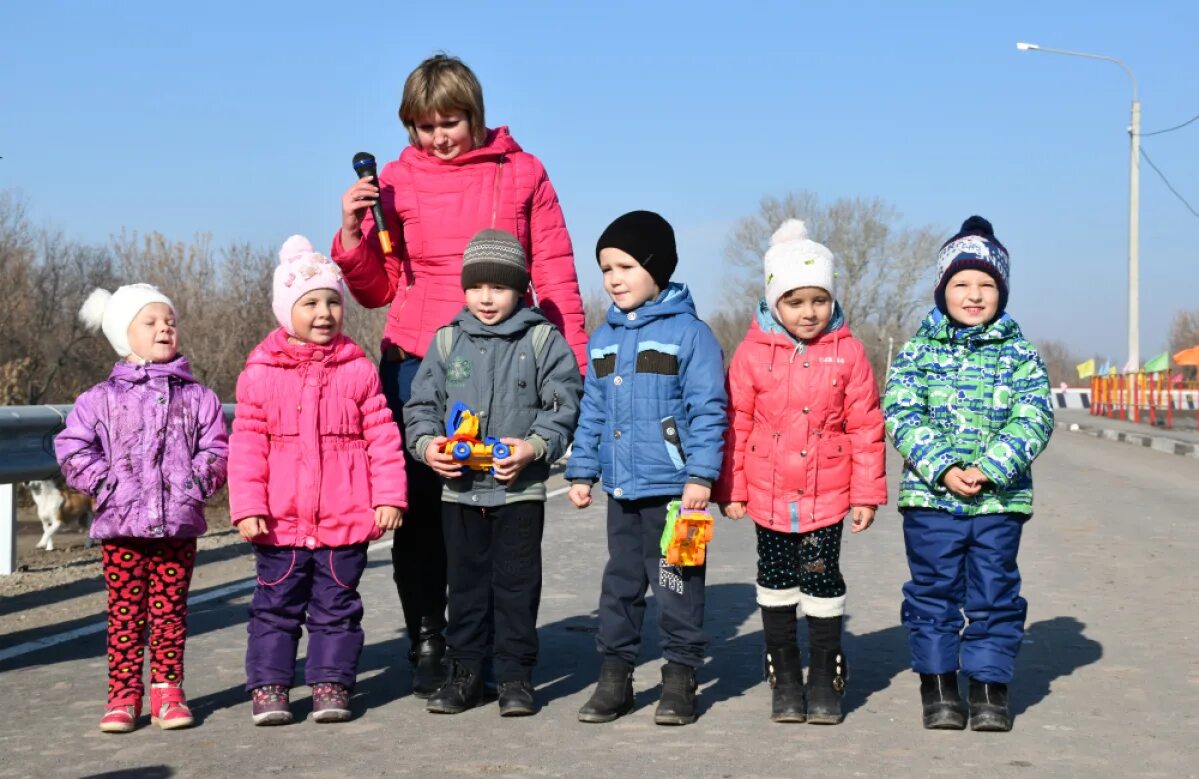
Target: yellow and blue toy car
465, 446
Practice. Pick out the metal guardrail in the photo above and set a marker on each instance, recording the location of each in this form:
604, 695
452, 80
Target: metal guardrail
27, 453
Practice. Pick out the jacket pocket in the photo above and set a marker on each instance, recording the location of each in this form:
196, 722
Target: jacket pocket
107, 489
834, 465
345, 487
673, 443
189, 491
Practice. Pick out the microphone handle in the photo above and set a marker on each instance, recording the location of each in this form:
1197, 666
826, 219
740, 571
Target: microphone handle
377, 212
380, 225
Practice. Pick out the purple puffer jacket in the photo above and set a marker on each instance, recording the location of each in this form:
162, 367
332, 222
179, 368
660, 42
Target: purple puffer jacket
149, 445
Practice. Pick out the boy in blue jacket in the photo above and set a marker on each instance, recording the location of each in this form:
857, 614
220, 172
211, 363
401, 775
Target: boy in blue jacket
652, 426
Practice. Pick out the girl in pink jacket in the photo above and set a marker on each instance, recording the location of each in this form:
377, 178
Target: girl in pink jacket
457, 178
804, 446
315, 474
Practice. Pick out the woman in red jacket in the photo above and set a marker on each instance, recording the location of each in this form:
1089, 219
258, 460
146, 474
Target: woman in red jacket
457, 178
804, 446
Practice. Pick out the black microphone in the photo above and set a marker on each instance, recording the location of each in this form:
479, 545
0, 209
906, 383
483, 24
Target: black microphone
366, 168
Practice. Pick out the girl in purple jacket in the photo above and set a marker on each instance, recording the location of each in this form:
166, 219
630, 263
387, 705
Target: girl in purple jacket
148, 445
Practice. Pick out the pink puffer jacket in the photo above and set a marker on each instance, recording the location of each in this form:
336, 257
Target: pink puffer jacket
805, 439
437, 208
314, 447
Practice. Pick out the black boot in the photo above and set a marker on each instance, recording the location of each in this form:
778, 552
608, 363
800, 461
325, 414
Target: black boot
677, 704
516, 699
942, 701
988, 707
827, 672
463, 691
784, 671
826, 685
427, 655
613, 696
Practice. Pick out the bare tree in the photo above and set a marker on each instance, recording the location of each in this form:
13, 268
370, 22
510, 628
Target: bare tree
1184, 330
884, 269
1061, 362
595, 309
729, 327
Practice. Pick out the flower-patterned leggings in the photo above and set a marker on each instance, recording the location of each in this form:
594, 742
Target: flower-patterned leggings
147, 582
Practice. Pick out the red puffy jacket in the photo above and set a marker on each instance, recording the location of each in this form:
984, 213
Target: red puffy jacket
805, 435
438, 207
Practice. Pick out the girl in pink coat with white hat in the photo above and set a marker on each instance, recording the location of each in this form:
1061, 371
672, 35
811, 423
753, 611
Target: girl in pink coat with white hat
315, 474
804, 448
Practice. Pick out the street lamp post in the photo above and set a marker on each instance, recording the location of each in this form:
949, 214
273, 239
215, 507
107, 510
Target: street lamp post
1134, 199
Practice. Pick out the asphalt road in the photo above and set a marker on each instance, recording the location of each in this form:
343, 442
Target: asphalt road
1107, 682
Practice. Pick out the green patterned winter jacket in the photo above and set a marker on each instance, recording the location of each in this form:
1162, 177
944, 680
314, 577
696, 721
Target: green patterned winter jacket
975, 396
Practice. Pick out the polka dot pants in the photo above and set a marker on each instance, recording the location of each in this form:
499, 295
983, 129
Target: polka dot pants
147, 581
810, 561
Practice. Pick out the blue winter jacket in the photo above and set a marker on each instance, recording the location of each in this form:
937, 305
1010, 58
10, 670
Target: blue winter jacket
653, 414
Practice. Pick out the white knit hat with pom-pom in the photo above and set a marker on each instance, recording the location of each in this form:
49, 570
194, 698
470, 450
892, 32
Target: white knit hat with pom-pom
113, 312
794, 260
301, 270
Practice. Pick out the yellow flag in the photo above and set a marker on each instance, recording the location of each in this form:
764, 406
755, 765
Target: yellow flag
1086, 369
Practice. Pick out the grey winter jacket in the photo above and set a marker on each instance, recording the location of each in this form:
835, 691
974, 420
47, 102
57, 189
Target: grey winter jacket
516, 393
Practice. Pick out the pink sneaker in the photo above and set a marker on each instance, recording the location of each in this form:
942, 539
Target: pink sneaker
121, 716
168, 707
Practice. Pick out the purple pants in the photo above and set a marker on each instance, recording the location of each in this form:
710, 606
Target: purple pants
316, 587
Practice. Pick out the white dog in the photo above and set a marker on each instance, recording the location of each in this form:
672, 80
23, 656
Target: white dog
57, 505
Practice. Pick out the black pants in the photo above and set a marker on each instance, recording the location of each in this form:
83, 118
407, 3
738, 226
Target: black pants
635, 562
803, 569
418, 554
495, 585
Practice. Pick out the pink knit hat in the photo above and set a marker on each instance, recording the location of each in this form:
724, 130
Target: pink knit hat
301, 270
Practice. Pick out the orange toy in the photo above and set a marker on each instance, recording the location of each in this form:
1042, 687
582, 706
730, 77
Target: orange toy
686, 535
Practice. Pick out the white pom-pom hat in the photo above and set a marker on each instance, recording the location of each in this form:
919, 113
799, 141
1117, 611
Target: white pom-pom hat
113, 312
301, 269
794, 260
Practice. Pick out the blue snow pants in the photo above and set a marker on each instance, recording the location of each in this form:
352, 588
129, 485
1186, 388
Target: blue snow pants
963, 564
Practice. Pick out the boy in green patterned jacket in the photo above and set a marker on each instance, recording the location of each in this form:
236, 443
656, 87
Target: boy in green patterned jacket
967, 405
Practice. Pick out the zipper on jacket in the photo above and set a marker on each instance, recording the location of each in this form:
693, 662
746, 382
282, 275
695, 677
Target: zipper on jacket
495, 194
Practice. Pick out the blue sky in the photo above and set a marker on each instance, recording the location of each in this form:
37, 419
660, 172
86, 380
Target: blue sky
240, 119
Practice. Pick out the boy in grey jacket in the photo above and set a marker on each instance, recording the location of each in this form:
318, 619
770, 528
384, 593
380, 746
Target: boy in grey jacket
516, 372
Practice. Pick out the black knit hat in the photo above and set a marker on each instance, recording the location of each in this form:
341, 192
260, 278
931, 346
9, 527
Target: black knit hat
648, 239
495, 257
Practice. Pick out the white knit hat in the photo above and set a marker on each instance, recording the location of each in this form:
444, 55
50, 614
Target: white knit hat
794, 260
113, 312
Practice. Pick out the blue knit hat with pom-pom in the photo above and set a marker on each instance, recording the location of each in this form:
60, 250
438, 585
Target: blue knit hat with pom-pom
975, 247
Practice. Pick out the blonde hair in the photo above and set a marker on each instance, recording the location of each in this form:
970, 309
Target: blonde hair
443, 84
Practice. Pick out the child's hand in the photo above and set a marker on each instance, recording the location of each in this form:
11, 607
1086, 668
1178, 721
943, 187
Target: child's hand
388, 517
863, 517
976, 477
251, 527
354, 203
444, 465
733, 510
580, 495
507, 469
955, 481
695, 497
